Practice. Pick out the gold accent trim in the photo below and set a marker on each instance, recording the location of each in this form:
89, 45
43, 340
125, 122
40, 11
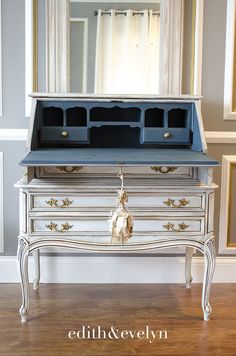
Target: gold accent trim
229, 243
171, 202
163, 170
171, 227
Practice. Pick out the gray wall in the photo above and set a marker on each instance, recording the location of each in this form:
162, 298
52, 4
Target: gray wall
13, 98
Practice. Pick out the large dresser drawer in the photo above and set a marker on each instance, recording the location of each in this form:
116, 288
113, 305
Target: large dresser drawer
155, 171
99, 226
172, 201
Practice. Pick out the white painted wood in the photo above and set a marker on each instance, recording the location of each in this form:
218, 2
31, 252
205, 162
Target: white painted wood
117, 269
85, 51
29, 55
220, 136
198, 43
229, 114
171, 46
224, 205
13, 134
1, 205
57, 46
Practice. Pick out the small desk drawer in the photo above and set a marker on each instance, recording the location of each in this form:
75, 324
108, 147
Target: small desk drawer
72, 201
166, 136
64, 134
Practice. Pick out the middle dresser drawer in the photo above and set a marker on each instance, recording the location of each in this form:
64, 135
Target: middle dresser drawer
97, 201
100, 226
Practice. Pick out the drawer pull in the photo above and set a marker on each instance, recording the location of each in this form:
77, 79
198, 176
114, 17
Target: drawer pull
171, 227
68, 169
53, 227
167, 135
171, 202
65, 133
163, 170
54, 203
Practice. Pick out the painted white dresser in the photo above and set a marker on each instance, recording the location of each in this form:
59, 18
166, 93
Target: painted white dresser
71, 183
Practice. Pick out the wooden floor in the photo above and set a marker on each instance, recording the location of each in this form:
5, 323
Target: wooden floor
58, 308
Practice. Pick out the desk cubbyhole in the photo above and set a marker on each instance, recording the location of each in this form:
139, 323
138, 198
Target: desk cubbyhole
114, 136
154, 118
76, 117
178, 118
115, 114
52, 116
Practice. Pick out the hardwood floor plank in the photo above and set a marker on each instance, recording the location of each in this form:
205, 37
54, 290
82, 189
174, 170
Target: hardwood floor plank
58, 308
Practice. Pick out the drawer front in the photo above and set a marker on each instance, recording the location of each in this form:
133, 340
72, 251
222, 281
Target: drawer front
156, 201
166, 136
143, 227
156, 171
64, 134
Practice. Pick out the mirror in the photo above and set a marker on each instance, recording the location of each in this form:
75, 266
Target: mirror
68, 58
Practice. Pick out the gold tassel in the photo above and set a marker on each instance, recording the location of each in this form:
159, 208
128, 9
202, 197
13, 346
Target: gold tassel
121, 220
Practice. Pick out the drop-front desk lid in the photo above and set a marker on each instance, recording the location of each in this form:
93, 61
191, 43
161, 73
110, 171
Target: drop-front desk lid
116, 157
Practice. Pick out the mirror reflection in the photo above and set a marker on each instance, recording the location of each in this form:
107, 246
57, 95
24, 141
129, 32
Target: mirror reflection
119, 43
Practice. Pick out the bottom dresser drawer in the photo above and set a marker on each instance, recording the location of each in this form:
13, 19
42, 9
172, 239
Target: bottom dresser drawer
100, 226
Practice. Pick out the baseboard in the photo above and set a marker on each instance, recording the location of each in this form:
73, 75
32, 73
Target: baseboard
87, 269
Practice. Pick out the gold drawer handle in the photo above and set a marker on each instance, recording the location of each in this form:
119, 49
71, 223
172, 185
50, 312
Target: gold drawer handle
68, 169
171, 202
54, 203
163, 170
53, 227
171, 227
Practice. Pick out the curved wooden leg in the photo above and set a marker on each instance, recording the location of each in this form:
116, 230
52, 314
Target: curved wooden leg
36, 256
22, 257
188, 265
209, 259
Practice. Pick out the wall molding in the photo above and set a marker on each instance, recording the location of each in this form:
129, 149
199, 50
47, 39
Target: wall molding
229, 113
118, 269
84, 21
1, 205
224, 204
220, 136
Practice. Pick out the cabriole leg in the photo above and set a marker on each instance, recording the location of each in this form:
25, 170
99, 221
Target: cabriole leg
22, 257
209, 259
36, 257
188, 265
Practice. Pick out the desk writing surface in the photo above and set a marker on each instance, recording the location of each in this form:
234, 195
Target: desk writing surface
116, 156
